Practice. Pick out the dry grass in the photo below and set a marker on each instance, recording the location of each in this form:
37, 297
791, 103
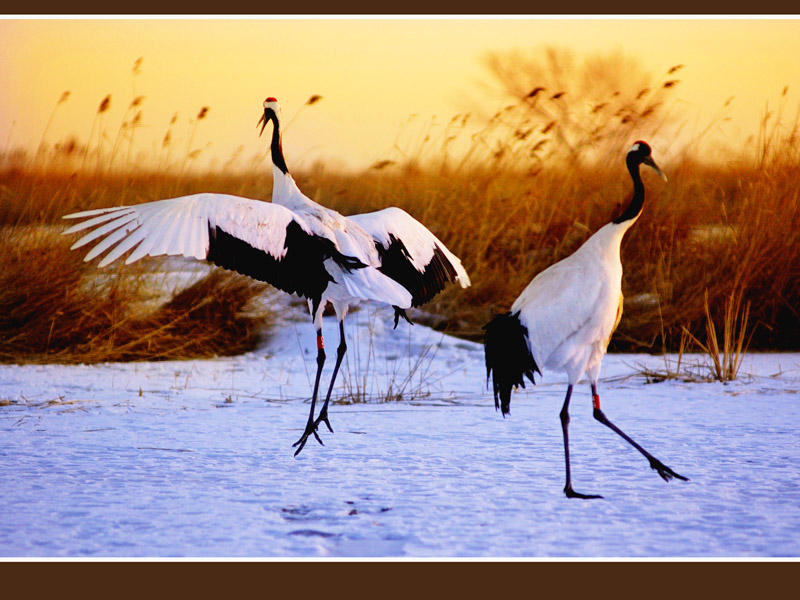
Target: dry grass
733, 230
29, 197
722, 229
55, 308
527, 186
715, 363
366, 377
725, 363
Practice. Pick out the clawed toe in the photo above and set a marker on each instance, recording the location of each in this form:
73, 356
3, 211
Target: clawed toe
573, 494
665, 472
310, 428
323, 418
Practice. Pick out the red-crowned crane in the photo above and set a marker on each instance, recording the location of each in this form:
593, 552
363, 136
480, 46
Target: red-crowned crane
292, 243
563, 320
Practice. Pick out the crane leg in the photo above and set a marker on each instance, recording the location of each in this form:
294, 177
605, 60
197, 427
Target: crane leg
664, 471
565, 430
323, 414
311, 426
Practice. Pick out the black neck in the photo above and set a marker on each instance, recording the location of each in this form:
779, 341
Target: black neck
277, 149
636, 203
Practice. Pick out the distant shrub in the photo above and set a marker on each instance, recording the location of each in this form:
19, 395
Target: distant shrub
56, 308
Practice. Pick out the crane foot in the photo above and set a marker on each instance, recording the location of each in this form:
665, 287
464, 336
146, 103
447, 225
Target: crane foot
323, 418
664, 471
311, 427
573, 494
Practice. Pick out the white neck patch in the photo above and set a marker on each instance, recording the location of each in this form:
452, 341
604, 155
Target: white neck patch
276, 108
634, 148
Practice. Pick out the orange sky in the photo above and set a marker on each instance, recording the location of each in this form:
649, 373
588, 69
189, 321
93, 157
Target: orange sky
373, 75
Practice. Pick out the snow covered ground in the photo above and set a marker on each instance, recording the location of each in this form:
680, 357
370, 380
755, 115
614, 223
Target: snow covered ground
195, 458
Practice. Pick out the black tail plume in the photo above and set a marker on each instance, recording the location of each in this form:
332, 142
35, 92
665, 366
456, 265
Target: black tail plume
507, 354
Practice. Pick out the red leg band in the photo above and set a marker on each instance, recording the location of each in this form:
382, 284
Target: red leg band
320, 343
596, 401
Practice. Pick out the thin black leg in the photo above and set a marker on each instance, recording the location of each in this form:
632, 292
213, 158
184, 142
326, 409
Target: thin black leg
310, 425
565, 430
664, 471
323, 414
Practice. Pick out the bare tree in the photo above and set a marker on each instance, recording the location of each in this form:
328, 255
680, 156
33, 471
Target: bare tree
560, 104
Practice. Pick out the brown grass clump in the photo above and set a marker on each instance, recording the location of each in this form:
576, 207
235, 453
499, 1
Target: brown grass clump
731, 230
725, 362
56, 308
29, 197
510, 193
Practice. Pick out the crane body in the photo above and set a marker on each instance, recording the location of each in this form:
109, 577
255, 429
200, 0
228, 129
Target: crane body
292, 243
564, 319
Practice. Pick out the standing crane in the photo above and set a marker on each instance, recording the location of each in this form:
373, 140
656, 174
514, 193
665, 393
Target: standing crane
292, 243
564, 319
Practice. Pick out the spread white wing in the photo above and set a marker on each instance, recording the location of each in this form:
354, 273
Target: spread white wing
410, 254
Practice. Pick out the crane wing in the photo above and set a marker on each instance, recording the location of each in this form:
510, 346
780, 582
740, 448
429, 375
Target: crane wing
559, 303
410, 254
263, 240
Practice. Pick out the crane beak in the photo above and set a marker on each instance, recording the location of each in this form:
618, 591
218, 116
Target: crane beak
652, 164
263, 120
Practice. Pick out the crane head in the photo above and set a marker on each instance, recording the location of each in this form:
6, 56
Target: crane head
640, 154
272, 110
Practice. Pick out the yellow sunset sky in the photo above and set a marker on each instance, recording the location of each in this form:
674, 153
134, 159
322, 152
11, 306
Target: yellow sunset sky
373, 75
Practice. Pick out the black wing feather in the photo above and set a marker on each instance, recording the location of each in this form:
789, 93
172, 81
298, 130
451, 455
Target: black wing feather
423, 286
301, 271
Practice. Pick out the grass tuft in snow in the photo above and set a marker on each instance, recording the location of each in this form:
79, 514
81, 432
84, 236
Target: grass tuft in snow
54, 308
716, 364
370, 373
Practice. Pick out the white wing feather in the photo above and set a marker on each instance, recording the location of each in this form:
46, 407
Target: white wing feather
570, 308
179, 226
418, 240
554, 306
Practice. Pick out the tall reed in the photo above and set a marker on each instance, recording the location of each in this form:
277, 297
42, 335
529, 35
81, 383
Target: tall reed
56, 308
516, 190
